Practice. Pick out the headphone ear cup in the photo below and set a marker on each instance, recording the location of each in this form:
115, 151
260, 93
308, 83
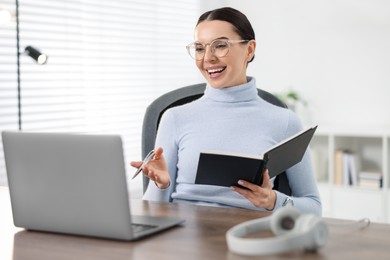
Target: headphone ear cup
283, 220
315, 230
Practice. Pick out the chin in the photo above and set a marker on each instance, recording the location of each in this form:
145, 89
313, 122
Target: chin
216, 83
212, 84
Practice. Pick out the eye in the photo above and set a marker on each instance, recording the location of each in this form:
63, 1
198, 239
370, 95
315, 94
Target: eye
220, 45
199, 48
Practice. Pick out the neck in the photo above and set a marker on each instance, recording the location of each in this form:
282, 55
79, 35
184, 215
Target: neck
239, 93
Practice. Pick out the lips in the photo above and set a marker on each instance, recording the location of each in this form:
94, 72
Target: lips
215, 71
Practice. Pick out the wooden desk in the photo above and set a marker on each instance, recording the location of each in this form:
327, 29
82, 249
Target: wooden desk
201, 237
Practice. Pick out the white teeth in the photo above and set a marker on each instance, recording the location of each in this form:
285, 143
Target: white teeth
215, 70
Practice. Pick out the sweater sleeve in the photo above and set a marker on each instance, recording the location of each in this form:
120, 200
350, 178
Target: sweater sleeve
165, 139
301, 179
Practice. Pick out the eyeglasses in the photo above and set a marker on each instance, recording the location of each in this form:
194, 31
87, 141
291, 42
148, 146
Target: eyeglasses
218, 47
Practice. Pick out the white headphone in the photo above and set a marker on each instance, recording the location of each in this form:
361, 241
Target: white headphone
292, 230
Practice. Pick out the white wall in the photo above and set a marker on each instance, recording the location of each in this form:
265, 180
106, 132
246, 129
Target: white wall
335, 53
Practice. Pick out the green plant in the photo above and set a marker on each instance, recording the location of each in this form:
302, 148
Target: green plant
291, 98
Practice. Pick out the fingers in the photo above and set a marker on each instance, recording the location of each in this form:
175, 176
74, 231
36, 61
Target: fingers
149, 173
251, 191
259, 196
156, 169
248, 185
158, 153
254, 187
155, 177
136, 164
266, 179
249, 194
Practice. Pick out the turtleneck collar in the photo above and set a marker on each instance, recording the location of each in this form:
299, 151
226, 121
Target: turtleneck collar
239, 93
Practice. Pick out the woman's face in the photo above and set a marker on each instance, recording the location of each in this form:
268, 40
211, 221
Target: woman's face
229, 70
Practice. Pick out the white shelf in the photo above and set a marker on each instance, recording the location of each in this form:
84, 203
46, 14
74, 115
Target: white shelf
371, 147
355, 130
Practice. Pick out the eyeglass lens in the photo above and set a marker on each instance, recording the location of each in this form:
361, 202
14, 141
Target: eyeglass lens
219, 48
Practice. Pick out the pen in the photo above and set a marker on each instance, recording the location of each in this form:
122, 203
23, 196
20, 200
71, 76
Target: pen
147, 159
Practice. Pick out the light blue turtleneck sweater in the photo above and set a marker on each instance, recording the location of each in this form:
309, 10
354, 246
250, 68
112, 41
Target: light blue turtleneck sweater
233, 119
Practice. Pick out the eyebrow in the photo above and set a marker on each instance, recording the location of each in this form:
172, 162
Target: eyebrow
219, 38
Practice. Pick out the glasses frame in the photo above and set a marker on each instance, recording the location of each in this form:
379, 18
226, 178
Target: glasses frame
229, 42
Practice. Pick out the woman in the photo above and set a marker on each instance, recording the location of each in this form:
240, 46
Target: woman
229, 116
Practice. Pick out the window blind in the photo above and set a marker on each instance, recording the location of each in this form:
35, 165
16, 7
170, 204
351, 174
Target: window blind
107, 61
8, 78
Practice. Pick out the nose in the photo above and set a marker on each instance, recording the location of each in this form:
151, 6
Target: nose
208, 54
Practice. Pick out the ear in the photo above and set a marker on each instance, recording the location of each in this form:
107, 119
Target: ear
251, 50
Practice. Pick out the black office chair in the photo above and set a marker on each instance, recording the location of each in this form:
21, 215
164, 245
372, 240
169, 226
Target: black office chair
182, 96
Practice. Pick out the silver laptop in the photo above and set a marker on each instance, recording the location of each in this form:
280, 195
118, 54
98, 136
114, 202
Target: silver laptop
73, 184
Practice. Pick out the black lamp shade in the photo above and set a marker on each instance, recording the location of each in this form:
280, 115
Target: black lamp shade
39, 57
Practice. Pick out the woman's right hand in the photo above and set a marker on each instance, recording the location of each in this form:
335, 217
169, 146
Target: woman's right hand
156, 170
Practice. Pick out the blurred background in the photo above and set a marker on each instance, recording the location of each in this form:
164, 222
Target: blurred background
107, 60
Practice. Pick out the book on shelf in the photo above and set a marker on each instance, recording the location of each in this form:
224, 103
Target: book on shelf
345, 168
226, 168
347, 173
370, 179
338, 167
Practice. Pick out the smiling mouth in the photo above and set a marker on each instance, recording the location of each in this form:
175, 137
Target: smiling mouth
215, 71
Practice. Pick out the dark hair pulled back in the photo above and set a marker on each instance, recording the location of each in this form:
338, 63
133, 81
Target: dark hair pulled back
240, 22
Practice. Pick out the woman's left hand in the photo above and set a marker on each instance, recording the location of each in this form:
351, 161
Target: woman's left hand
260, 196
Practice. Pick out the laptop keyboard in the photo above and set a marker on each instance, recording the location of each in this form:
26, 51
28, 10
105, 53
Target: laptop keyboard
141, 227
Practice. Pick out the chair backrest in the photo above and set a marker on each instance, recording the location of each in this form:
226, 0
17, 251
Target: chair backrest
182, 96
